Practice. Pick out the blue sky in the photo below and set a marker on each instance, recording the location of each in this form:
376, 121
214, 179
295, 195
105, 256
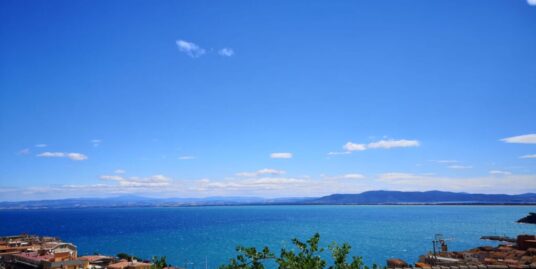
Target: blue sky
193, 98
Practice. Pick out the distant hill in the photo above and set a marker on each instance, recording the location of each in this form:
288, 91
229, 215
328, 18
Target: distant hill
140, 201
427, 197
365, 198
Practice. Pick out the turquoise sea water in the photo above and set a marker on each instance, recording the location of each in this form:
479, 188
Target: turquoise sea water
196, 233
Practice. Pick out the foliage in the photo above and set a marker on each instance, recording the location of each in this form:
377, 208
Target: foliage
340, 253
306, 256
249, 258
127, 256
159, 262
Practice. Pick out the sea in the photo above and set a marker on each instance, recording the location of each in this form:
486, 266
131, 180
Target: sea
206, 237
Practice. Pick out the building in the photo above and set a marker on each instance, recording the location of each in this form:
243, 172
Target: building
33, 252
43, 260
38, 252
98, 261
124, 264
21, 243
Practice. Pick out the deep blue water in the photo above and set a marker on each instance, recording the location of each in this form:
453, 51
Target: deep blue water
375, 232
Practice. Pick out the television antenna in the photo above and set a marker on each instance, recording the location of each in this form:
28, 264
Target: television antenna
439, 245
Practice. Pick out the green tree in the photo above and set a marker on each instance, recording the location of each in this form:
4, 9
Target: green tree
340, 254
249, 258
127, 256
159, 262
306, 256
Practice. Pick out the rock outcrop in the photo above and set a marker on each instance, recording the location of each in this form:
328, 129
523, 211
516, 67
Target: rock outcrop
522, 253
396, 263
531, 218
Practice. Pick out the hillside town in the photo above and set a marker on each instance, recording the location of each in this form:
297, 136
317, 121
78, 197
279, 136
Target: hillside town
44, 252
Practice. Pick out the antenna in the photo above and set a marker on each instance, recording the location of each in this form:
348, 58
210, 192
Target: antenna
439, 245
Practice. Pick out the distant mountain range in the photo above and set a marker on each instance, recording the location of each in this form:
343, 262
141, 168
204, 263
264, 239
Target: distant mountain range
428, 197
365, 198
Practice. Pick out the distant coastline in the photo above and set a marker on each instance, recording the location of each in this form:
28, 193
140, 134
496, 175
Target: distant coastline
256, 205
430, 198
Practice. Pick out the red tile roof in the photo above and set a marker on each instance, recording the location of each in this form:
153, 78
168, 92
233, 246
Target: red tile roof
35, 256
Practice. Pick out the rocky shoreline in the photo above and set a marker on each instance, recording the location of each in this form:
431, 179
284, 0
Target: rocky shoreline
520, 254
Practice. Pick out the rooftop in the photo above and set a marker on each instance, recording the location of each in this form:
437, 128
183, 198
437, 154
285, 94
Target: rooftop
92, 258
34, 255
123, 264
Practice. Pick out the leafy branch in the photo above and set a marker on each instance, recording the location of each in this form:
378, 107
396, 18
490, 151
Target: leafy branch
306, 256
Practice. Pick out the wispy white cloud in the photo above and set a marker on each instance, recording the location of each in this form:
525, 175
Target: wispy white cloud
459, 166
41, 145
398, 176
261, 172
345, 176
112, 177
265, 183
510, 184
531, 2
445, 161
281, 186
278, 185
349, 146
381, 144
191, 49
353, 176
152, 181
521, 139
500, 172
76, 156
95, 142
70, 155
333, 153
120, 171
391, 143
226, 52
453, 164
186, 157
528, 156
281, 155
